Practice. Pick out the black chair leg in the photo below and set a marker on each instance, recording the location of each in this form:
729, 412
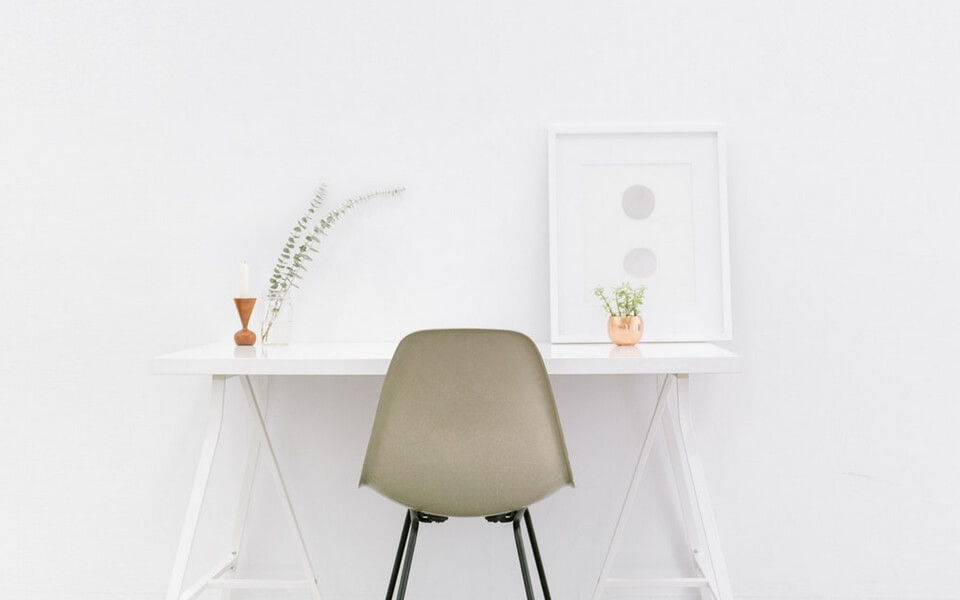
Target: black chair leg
408, 543
399, 559
411, 544
536, 554
518, 536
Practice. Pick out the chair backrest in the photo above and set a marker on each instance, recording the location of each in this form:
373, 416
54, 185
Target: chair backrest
467, 425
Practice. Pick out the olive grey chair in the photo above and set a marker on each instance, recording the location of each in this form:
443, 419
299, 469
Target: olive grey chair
466, 427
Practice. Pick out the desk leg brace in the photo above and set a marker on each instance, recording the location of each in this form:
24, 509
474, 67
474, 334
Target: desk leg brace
220, 576
672, 412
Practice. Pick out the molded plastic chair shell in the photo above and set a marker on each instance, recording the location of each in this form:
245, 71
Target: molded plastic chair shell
466, 425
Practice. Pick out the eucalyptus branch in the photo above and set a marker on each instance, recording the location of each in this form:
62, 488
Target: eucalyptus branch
303, 241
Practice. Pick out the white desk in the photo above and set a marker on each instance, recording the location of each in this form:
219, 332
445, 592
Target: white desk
673, 363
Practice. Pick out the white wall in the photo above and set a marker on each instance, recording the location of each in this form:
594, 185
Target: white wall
146, 148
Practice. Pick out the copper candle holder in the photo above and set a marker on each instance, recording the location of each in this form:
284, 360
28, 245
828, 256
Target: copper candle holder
245, 337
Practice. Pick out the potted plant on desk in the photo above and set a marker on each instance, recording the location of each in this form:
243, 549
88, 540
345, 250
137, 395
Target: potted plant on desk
624, 325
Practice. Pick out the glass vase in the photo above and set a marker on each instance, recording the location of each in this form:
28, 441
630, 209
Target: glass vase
276, 325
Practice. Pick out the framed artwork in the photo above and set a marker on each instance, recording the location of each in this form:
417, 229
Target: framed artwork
644, 204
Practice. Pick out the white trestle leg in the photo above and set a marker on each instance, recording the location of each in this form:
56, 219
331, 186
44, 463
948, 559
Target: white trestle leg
604, 580
700, 500
273, 466
200, 481
223, 574
672, 413
246, 488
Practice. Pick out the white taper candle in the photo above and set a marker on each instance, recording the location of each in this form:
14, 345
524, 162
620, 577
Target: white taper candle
244, 280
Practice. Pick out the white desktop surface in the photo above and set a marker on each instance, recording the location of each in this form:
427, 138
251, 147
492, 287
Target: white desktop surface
359, 358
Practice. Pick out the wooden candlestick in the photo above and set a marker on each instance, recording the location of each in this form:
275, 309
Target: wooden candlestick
245, 337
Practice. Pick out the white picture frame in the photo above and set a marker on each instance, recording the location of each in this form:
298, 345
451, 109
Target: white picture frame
647, 203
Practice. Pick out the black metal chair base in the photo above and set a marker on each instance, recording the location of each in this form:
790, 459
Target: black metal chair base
408, 541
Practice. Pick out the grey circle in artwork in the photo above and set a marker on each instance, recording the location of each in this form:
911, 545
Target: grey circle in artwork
638, 201
640, 262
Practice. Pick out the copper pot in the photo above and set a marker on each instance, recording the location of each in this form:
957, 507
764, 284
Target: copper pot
625, 331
